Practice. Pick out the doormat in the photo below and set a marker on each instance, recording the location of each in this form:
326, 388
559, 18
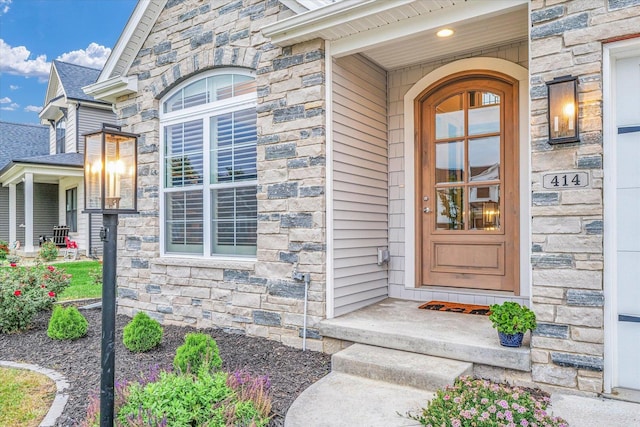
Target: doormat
456, 307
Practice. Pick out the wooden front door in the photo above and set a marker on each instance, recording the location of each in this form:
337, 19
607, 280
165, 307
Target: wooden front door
468, 189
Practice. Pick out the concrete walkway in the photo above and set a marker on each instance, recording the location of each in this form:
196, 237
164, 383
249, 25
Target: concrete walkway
341, 400
59, 401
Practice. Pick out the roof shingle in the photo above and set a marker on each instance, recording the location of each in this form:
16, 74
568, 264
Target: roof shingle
74, 77
20, 140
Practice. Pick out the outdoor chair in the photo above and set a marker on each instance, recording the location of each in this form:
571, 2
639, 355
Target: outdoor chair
72, 249
60, 232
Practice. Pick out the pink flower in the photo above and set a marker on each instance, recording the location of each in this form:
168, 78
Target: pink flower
13, 264
52, 294
51, 268
456, 423
524, 423
42, 286
504, 404
17, 292
446, 397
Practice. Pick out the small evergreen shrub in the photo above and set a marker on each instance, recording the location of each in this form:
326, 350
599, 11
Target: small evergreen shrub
142, 333
48, 251
476, 402
199, 352
67, 324
25, 291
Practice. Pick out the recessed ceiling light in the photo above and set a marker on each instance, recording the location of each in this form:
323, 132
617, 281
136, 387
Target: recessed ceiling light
445, 32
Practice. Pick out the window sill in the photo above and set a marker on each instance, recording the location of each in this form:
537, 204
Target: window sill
230, 264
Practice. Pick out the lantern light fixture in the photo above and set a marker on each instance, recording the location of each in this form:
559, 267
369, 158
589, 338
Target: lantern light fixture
110, 176
562, 96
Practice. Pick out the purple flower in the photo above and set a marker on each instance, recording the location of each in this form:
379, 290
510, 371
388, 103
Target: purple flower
524, 423
504, 404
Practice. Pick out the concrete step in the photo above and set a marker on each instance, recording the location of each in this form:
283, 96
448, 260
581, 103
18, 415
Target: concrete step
400, 325
342, 400
399, 367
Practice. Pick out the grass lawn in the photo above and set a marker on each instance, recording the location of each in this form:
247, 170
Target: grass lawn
82, 284
25, 397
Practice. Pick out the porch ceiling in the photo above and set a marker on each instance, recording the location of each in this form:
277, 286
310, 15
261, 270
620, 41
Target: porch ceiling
400, 33
470, 35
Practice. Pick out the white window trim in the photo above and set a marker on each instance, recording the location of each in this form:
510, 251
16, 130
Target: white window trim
204, 112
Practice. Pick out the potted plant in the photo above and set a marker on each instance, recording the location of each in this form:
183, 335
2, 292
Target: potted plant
512, 320
13, 260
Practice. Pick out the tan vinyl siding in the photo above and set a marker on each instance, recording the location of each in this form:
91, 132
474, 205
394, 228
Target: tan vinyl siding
360, 183
91, 120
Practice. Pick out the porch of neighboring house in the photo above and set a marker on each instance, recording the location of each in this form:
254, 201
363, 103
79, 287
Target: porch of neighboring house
44, 198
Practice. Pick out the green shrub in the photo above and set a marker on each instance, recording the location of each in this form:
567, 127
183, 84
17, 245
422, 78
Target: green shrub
186, 400
475, 402
48, 251
199, 351
142, 333
67, 324
25, 291
4, 249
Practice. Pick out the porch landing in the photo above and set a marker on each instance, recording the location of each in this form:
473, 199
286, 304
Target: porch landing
399, 324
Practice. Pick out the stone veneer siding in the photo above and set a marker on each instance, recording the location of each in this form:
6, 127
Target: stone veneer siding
258, 297
567, 235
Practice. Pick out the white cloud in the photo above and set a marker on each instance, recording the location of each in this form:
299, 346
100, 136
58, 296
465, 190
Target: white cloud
14, 87
4, 6
18, 60
32, 109
94, 56
5, 100
15, 60
11, 107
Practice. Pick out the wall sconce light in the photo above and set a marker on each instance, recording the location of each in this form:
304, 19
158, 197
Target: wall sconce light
562, 94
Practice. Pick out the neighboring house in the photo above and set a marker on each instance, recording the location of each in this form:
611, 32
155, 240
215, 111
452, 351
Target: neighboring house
277, 140
18, 144
47, 190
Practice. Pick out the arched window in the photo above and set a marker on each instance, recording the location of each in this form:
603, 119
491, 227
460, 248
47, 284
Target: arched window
209, 177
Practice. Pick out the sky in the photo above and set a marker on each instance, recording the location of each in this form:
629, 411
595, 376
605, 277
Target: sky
35, 32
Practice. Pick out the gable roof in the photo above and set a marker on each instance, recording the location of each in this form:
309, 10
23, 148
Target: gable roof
20, 140
73, 77
113, 80
65, 85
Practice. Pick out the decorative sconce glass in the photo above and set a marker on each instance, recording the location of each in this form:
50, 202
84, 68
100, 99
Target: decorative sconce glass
110, 178
563, 110
490, 215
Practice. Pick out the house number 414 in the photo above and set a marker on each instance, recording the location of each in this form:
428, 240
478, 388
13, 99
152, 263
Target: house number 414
558, 181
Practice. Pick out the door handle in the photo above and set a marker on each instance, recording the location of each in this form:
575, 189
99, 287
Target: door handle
426, 210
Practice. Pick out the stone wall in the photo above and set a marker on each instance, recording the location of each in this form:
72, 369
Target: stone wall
567, 226
257, 297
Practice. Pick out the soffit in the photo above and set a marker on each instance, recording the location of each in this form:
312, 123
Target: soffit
398, 33
470, 35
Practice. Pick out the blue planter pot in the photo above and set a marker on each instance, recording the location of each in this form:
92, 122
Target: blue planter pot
508, 340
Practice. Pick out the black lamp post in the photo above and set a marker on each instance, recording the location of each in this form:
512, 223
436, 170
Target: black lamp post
110, 185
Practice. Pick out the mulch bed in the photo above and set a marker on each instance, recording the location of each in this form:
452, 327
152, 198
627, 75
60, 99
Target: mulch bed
291, 371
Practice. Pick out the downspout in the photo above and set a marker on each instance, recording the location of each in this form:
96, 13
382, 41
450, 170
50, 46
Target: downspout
77, 126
